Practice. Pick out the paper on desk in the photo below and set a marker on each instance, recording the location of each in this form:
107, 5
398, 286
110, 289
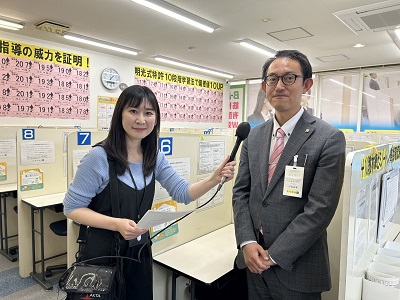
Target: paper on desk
155, 217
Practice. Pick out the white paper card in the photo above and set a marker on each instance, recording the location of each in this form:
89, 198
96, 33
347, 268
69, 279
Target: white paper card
154, 217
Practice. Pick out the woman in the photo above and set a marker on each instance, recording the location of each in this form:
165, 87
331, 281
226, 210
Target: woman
131, 149
262, 112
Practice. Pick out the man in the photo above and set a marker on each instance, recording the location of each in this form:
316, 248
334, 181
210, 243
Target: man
281, 221
373, 84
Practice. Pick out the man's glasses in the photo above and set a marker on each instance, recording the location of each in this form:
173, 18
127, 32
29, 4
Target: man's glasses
288, 79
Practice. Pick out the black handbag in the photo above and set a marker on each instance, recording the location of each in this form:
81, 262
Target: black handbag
85, 281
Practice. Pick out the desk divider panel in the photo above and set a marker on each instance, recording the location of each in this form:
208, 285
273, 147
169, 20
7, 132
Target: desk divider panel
335, 231
41, 170
361, 136
362, 214
8, 152
78, 144
187, 148
8, 177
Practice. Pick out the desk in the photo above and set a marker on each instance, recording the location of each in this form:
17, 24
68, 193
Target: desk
5, 189
205, 259
40, 203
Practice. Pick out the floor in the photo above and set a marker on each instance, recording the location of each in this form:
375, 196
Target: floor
13, 286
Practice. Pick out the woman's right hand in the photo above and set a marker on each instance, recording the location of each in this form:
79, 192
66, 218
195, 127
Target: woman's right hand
129, 230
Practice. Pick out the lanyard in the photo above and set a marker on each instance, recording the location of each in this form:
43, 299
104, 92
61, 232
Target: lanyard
138, 204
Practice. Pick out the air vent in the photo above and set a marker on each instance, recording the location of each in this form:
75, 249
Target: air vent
53, 27
371, 18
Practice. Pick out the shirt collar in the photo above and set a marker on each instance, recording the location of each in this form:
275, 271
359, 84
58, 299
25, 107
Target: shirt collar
288, 127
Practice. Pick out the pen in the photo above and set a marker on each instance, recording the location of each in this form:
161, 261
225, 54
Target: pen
295, 160
305, 160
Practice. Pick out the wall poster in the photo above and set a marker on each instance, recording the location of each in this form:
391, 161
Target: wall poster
183, 98
236, 101
39, 82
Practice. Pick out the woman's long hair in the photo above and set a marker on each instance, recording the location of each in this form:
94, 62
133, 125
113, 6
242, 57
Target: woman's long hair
115, 143
261, 98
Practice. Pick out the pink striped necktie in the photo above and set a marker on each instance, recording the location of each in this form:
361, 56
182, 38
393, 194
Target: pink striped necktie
276, 153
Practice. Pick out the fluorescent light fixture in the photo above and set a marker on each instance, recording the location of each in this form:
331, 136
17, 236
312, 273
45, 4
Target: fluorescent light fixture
10, 25
345, 85
192, 66
98, 43
179, 14
237, 82
255, 81
257, 47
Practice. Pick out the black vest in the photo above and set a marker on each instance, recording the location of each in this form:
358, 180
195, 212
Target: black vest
95, 242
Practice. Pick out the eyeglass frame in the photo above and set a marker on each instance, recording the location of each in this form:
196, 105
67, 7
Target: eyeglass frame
281, 78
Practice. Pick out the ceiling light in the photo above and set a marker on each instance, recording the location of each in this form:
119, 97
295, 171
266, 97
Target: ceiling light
10, 25
240, 83
178, 13
254, 81
102, 44
192, 66
359, 45
257, 47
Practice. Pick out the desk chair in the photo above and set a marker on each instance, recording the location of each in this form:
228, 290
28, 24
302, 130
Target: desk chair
8, 252
60, 229
14, 250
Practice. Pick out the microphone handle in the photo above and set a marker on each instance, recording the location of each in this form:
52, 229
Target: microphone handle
231, 158
235, 150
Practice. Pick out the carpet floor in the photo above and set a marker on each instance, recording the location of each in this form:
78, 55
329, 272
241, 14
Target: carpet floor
13, 286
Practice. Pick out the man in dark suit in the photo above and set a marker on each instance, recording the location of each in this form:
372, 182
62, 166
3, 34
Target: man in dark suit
280, 224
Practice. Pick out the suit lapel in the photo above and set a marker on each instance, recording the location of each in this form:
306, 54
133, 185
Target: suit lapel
301, 133
263, 145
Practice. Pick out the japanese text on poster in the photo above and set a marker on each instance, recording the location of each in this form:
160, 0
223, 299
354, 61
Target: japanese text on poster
236, 100
105, 110
183, 98
42, 83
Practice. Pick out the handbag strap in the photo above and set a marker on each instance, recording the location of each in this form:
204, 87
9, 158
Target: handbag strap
114, 198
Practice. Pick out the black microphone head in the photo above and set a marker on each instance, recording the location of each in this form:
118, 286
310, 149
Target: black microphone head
242, 131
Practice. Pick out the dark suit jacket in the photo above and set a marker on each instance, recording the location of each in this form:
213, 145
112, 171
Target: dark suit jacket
294, 228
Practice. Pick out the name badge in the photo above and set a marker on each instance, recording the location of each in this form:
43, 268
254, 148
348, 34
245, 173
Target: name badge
293, 184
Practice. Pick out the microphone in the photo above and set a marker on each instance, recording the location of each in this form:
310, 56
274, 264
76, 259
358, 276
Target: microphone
242, 131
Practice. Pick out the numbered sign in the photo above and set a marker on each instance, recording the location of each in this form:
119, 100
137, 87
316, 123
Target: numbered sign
28, 134
165, 145
84, 138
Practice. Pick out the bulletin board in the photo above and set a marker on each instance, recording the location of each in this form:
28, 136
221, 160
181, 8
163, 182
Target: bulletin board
362, 195
194, 153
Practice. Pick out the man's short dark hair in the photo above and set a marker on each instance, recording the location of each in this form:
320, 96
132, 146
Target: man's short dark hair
305, 65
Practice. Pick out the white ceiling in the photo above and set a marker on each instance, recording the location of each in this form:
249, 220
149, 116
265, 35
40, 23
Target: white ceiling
127, 23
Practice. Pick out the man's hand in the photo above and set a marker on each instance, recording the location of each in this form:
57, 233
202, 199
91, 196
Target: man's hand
256, 258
